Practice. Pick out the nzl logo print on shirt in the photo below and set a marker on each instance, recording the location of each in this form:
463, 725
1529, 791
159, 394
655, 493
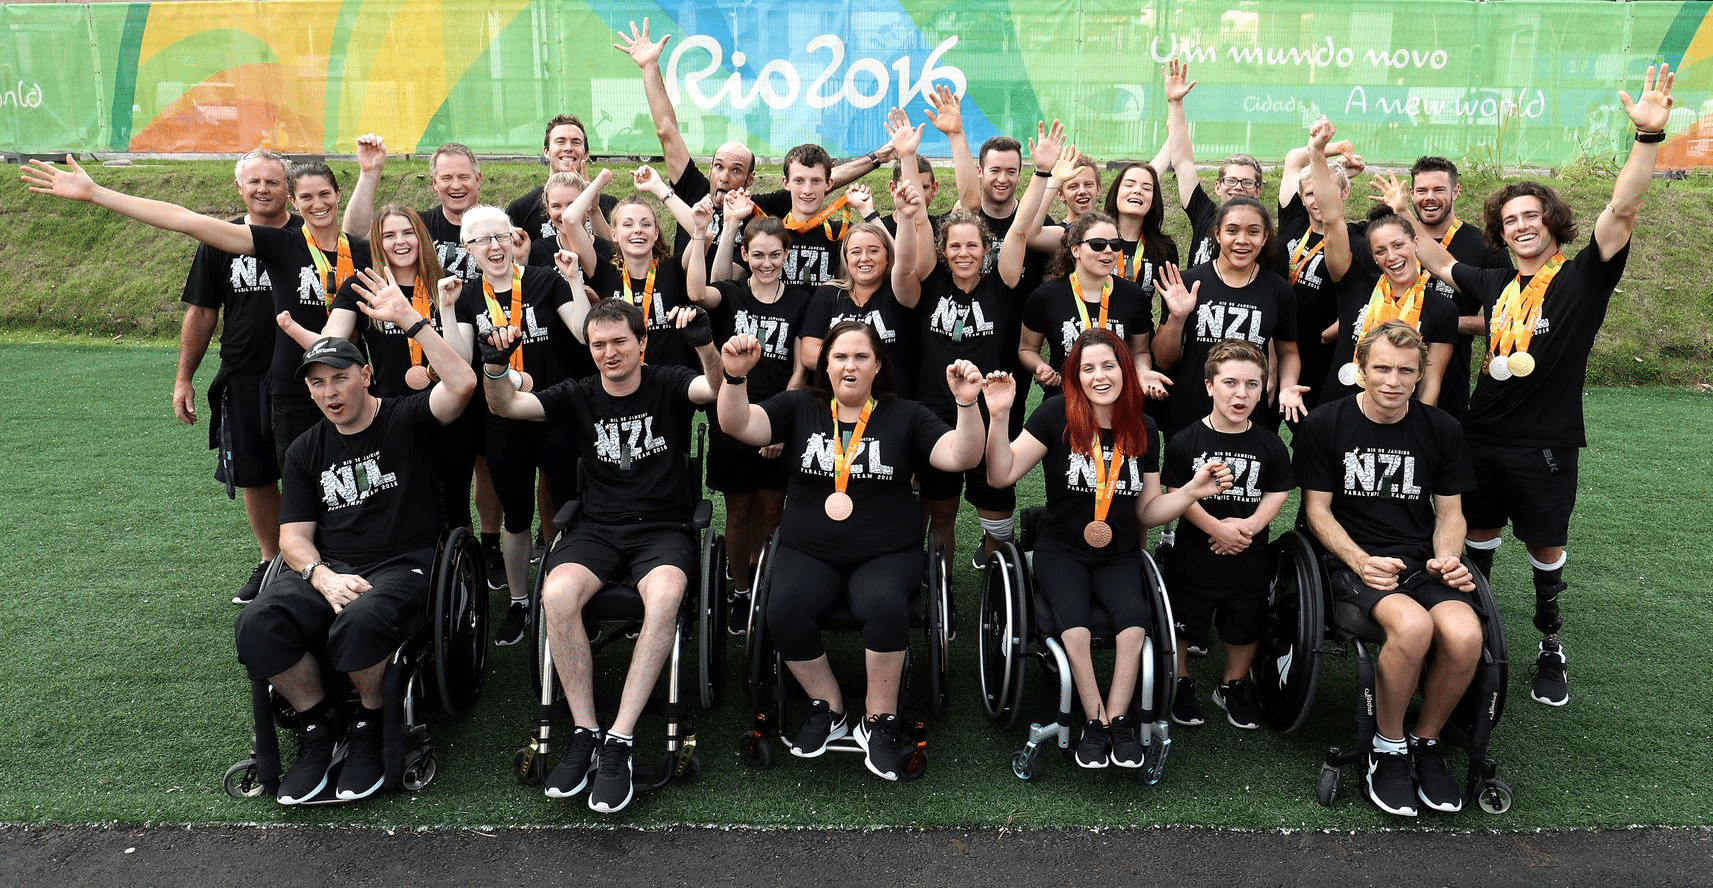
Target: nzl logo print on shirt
1072, 328
1245, 475
622, 441
1080, 474
1218, 320
958, 320
818, 455
873, 318
774, 334
532, 331
808, 265
456, 260
1381, 473
351, 482
248, 276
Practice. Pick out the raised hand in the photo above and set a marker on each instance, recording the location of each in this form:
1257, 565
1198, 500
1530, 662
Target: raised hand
1179, 301
999, 391
1320, 135
566, 262
1178, 83
965, 381
905, 138
1391, 191
738, 206
451, 288
860, 199
740, 354
45, 178
647, 180
1212, 479
383, 300
1047, 146
639, 47
1652, 111
1066, 168
371, 153
947, 110
702, 213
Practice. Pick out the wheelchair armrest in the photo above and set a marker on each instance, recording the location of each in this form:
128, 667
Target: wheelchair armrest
567, 515
703, 516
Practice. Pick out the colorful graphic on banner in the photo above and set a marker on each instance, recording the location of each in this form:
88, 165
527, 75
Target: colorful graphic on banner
1512, 83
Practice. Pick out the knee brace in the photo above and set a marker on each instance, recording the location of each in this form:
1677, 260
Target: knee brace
1481, 552
999, 529
1549, 585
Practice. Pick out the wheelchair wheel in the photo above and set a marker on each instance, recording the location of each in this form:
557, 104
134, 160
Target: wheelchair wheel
241, 780
939, 603
758, 646
529, 766
1494, 796
420, 767
711, 619
756, 749
460, 618
1003, 634
1163, 645
1287, 666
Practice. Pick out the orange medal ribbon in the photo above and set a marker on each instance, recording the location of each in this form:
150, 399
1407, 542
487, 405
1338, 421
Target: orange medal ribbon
1382, 308
1105, 477
1082, 307
1451, 232
647, 305
499, 316
340, 273
424, 304
1301, 259
844, 453
1519, 309
824, 219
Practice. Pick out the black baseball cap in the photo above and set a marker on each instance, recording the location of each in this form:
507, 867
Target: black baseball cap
334, 351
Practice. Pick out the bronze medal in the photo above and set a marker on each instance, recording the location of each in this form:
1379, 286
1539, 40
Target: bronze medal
1097, 534
525, 382
839, 505
417, 378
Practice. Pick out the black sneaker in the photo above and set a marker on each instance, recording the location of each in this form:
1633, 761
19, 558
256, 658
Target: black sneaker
1389, 782
571, 775
1233, 697
1127, 749
1094, 749
496, 565
1186, 710
613, 784
822, 727
884, 745
363, 771
515, 624
252, 586
737, 617
1552, 679
1434, 783
307, 776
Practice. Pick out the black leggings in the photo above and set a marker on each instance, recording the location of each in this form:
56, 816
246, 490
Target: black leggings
805, 589
1072, 588
515, 449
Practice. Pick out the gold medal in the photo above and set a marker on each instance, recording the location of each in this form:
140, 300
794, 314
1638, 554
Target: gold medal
839, 505
1522, 364
1499, 368
416, 378
1347, 375
1097, 534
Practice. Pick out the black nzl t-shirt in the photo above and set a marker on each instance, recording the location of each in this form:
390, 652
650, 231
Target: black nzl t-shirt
1052, 312
1468, 246
1034, 272
895, 324
813, 258
373, 494
449, 245
389, 348
541, 253
1259, 465
1437, 324
886, 516
959, 325
1263, 311
777, 325
1202, 211
666, 344
300, 290
633, 447
1071, 478
550, 352
240, 288
1145, 271
1383, 476
530, 214
1544, 409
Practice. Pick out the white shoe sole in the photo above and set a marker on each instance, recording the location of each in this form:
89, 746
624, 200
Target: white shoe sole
862, 740
838, 733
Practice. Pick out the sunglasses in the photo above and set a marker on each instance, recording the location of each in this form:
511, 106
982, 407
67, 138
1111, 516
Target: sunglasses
1103, 244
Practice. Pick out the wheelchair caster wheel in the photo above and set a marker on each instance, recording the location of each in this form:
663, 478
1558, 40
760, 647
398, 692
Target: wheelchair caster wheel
914, 765
1023, 764
240, 781
756, 749
682, 767
1154, 761
531, 768
1494, 796
420, 767
1327, 789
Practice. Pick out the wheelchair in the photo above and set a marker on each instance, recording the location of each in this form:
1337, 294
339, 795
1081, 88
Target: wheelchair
1305, 625
1017, 625
443, 661
615, 613
772, 689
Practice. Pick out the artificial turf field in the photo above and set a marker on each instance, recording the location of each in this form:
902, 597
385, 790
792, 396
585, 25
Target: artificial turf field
123, 702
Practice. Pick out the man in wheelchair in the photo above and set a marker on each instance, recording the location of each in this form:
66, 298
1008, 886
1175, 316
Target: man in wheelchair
633, 422
1382, 480
359, 519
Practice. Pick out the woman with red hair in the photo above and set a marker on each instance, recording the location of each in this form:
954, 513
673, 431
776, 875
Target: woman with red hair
1102, 464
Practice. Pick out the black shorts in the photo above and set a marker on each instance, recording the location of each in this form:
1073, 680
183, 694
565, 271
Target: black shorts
1532, 488
1073, 588
736, 467
937, 486
806, 589
1224, 591
624, 553
289, 618
1415, 582
240, 428
291, 417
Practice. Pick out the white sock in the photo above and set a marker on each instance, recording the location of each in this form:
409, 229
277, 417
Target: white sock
1382, 743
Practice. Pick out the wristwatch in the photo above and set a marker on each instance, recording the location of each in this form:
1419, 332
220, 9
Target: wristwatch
310, 570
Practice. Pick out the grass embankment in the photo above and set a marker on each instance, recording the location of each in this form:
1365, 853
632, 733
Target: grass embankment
124, 703
72, 269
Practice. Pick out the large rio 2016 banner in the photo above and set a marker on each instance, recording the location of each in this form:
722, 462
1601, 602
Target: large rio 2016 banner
1511, 83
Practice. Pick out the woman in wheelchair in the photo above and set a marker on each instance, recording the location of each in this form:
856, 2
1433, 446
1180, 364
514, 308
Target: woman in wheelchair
852, 529
1099, 452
